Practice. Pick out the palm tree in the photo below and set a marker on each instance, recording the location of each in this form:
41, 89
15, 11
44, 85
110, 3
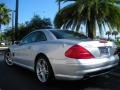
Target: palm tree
90, 13
4, 14
108, 33
115, 33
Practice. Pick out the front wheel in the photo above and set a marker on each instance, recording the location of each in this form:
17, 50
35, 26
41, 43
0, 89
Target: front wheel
44, 70
8, 58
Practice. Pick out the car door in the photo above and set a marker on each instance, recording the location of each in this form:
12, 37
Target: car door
25, 52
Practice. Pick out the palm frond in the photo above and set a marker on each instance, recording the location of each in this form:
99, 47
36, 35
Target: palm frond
101, 12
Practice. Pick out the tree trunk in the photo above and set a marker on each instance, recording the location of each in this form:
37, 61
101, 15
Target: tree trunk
115, 37
91, 29
108, 37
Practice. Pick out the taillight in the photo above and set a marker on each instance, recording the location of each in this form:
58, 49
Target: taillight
78, 52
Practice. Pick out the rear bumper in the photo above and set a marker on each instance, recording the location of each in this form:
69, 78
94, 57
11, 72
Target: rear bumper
97, 73
84, 69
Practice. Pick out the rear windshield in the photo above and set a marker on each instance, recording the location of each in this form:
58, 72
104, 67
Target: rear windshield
65, 34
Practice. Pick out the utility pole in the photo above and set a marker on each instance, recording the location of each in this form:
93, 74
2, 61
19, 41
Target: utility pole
16, 19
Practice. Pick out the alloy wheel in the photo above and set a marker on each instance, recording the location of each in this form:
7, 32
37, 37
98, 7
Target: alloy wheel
42, 70
8, 58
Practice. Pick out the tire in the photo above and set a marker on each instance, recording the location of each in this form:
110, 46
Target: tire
44, 70
8, 58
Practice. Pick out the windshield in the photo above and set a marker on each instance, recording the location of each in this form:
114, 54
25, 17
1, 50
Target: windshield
65, 34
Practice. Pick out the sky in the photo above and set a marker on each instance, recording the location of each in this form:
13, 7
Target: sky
29, 8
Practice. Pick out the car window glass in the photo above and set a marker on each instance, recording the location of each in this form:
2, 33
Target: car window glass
68, 35
40, 36
28, 39
34, 37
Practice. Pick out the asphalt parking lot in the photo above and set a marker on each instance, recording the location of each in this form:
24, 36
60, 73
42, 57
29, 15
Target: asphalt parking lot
17, 78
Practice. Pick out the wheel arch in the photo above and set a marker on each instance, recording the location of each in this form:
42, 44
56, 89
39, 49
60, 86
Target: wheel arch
43, 55
7, 50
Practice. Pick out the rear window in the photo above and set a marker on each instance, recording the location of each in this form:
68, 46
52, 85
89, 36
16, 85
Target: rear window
65, 34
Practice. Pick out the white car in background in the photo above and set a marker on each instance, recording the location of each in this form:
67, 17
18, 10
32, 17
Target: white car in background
62, 54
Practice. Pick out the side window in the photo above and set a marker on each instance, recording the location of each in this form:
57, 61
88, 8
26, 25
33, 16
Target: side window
34, 37
40, 36
28, 38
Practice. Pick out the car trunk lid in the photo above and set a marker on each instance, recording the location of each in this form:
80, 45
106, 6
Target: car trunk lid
99, 48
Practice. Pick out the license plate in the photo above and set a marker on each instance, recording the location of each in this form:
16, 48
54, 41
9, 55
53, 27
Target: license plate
104, 50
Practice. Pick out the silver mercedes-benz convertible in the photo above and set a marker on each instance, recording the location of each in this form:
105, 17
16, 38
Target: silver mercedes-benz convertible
62, 54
